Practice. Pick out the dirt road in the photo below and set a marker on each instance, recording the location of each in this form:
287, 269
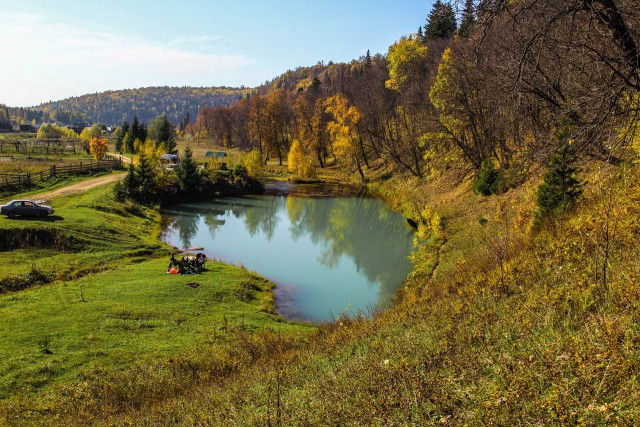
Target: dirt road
83, 185
78, 187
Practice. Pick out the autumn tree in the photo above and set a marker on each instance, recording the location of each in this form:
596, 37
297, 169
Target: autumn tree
343, 129
89, 133
408, 116
300, 161
98, 147
258, 125
279, 122
252, 160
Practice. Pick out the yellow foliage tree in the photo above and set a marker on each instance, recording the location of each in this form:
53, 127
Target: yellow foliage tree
151, 152
98, 147
52, 131
407, 62
253, 162
301, 162
344, 131
88, 134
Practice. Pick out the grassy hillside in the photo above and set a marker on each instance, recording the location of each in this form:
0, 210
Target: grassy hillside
516, 325
504, 323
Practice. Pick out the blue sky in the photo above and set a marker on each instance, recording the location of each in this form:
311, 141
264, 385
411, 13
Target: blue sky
54, 49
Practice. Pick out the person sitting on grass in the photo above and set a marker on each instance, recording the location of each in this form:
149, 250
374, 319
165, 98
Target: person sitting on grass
180, 265
200, 260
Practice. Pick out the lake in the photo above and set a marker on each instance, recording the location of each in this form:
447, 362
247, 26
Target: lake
326, 255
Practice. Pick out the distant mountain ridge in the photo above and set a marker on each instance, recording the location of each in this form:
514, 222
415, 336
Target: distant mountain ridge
113, 107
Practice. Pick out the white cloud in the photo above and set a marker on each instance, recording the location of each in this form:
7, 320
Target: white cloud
45, 60
191, 40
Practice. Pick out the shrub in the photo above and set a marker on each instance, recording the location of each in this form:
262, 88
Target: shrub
560, 187
489, 180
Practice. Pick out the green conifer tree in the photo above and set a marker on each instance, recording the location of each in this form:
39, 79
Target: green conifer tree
135, 128
188, 176
167, 135
441, 22
145, 174
560, 187
128, 142
468, 21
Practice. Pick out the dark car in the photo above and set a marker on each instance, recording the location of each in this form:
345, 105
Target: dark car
25, 207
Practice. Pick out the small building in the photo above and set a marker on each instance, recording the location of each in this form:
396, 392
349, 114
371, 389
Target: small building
27, 128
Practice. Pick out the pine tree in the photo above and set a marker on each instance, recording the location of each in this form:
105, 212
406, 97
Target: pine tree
128, 142
420, 34
468, 21
129, 186
367, 59
135, 128
146, 178
188, 176
142, 132
166, 135
441, 23
560, 187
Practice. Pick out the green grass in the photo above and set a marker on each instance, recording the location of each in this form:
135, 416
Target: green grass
133, 314
112, 305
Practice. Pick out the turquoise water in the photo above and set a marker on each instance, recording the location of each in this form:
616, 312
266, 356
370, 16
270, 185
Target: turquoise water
326, 255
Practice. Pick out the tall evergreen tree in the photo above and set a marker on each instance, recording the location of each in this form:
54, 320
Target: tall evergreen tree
120, 134
187, 171
441, 23
128, 142
135, 128
167, 135
146, 178
468, 21
142, 132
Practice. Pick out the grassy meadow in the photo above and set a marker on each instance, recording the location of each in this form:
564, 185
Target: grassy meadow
87, 299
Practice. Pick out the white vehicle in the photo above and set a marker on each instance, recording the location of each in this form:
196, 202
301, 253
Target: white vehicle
169, 161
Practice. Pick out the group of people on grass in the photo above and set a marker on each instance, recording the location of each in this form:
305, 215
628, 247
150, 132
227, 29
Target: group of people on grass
187, 264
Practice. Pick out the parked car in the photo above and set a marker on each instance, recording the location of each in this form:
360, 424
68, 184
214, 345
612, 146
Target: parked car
25, 207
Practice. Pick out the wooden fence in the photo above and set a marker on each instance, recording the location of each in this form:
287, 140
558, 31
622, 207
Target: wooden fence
14, 181
48, 146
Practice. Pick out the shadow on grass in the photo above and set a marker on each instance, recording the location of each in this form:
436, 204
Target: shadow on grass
49, 218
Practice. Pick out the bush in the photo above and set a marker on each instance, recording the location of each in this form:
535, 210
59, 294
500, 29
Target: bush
560, 187
489, 180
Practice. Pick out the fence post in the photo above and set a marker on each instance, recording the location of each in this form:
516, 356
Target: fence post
52, 170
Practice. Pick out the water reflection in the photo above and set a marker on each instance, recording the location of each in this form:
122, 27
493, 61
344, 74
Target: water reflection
325, 254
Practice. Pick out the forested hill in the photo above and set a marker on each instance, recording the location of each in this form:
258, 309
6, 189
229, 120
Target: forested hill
112, 107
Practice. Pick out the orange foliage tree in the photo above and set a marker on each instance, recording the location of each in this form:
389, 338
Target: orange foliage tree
98, 147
